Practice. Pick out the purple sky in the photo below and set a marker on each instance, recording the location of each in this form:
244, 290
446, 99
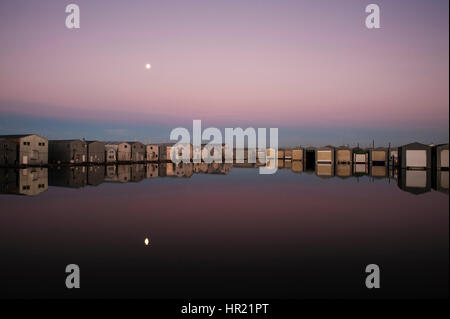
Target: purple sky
310, 68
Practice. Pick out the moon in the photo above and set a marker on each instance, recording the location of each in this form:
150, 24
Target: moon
148, 66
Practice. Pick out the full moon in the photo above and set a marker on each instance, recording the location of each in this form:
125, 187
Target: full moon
148, 66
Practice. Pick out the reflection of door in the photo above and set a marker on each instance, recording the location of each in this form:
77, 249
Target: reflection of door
324, 170
360, 168
416, 179
25, 159
444, 179
444, 158
416, 158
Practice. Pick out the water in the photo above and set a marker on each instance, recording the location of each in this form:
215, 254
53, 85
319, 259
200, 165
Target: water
223, 232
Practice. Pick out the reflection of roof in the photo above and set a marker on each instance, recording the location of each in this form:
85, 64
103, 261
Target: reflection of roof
416, 190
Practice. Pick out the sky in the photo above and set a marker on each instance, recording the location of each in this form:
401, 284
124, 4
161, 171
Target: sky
310, 68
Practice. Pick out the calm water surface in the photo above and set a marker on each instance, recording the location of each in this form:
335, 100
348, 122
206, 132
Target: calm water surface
234, 233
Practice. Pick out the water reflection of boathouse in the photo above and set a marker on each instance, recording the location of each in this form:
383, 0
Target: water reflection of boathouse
414, 181
24, 181
95, 175
344, 170
67, 176
324, 170
343, 155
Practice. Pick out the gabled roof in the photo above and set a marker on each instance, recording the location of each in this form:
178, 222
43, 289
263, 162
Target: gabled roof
114, 143
134, 142
17, 136
66, 141
445, 145
415, 145
166, 144
343, 147
379, 148
359, 149
326, 147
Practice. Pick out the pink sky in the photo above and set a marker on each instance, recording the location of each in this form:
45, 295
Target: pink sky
310, 63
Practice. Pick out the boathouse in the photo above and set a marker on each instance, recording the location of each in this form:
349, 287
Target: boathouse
31, 149
8, 152
439, 155
137, 151
110, 154
288, 154
343, 155
123, 150
95, 152
67, 151
378, 156
325, 154
152, 152
360, 156
310, 158
297, 154
415, 156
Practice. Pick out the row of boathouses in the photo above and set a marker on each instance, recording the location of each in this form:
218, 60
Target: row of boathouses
32, 149
409, 156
